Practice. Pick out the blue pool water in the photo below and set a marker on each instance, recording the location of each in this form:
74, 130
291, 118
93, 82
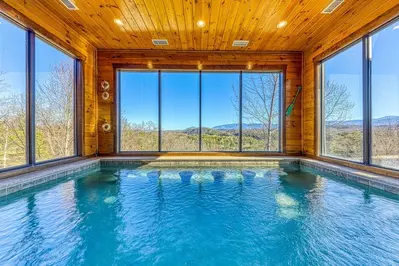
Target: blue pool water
212, 217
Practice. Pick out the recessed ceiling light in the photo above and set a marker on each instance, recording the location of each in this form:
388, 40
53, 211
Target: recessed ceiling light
201, 23
282, 24
118, 22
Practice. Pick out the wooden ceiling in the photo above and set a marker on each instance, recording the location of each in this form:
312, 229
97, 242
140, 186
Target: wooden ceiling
226, 20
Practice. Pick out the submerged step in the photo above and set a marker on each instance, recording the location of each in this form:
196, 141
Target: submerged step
186, 176
218, 175
248, 173
154, 174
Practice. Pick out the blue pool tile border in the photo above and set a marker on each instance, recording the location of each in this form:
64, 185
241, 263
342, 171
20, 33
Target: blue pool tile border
14, 184
11, 185
384, 183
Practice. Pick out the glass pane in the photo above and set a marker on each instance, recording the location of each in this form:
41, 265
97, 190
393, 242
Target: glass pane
54, 103
261, 111
220, 111
342, 103
385, 97
180, 111
12, 94
139, 111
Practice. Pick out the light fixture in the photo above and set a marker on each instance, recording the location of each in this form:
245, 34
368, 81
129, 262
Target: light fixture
396, 27
149, 65
201, 23
118, 22
199, 66
249, 65
282, 24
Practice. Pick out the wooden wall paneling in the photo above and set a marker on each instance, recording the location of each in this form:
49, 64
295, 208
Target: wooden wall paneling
110, 59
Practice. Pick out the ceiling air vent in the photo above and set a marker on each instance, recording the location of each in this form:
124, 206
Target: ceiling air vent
240, 43
70, 4
160, 42
332, 6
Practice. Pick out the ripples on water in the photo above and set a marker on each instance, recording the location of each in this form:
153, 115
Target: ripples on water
212, 217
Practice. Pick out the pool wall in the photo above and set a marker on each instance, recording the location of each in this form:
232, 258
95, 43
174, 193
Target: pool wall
75, 169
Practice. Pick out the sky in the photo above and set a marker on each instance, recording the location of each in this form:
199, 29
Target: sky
346, 68
180, 91
13, 57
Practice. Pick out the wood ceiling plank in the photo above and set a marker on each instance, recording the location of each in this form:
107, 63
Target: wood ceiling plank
179, 12
234, 9
332, 20
226, 20
244, 17
142, 10
197, 15
223, 14
189, 19
299, 15
104, 16
213, 23
71, 18
282, 10
160, 21
135, 14
349, 25
262, 25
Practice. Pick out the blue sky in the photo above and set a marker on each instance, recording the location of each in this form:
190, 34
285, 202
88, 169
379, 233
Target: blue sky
346, 68
180, 91
13, 57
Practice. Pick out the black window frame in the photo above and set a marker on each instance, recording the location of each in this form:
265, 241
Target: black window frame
78, 95
365, 40
118, 70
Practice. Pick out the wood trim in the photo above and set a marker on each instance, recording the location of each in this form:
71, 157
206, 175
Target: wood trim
166, 67
26, 22
381, 21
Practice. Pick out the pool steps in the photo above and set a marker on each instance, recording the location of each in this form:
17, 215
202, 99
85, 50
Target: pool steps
14, 184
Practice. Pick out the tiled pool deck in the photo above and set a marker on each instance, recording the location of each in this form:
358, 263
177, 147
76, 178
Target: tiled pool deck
28, 180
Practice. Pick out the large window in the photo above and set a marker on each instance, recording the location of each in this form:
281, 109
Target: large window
139, 113
384, 57
180, 111
261, 111
360, 101
54, 103
220, 111
12, 95
37, 99
342, 108
199, 111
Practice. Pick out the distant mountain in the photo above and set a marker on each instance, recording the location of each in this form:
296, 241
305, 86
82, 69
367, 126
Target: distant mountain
244, 126
382, 121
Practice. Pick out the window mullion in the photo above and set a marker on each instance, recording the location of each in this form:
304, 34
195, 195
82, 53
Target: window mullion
366, 100
30, 103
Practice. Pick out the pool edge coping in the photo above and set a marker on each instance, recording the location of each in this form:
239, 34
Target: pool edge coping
24, 181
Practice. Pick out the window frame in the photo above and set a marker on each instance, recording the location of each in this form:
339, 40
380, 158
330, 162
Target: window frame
138, 68
321, 82
367, 143
78, 96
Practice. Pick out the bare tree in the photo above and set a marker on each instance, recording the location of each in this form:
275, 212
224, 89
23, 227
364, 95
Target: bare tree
337, 103
260, 98
55, 113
